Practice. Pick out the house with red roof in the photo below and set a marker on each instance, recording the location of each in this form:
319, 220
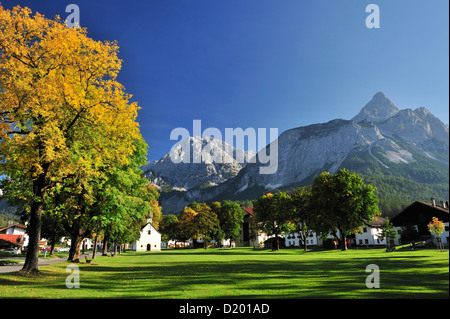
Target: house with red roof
13, 235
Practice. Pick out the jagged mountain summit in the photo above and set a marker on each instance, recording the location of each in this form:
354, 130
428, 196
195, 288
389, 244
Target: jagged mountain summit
402, 149
202, 172
379, 108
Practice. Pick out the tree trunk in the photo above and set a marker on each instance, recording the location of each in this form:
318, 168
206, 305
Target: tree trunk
94, 251
34, 230
344, 242
74, 253
77, 236
302, 236
276, 245
105, 245
31, 260
53, 239
52, 245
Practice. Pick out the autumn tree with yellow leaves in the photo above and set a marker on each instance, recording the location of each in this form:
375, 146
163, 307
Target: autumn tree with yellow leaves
437, 228
63, 114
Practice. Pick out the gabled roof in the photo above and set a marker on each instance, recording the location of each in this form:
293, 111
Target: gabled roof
153, 227
420, 214
377, 221
18, 225
249, 210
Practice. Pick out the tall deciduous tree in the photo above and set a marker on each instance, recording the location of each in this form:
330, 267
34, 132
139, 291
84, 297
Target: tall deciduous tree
302, 213
231, 217
168, 227
389, 233
61, 109
206, 224
342, 202
186, 226
273, 215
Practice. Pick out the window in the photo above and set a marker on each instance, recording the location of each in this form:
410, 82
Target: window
366, 241
365, 229
360, 241
149, 231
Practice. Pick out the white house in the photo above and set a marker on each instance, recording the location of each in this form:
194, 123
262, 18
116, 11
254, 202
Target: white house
370, 233
293, 240
369, 236
18, 230
150, 239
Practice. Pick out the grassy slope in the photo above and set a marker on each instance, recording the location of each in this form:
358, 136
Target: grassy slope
243, 273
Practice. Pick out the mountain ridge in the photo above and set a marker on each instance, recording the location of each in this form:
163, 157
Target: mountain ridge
379, 143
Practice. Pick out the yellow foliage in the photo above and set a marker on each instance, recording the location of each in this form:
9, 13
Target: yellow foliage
436, 227
61, 109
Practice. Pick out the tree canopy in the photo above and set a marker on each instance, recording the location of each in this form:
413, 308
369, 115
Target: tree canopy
65, 121
274, 214
342, 202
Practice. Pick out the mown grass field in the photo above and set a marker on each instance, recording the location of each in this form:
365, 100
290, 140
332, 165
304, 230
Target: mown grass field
242, 273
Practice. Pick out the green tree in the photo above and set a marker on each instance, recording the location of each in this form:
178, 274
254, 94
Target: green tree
207, 225
389, 233
126, 201
52, 229
231, 217
199, 221
62, 111
303, 215
342, 202
169, 228
186, 227
273, 215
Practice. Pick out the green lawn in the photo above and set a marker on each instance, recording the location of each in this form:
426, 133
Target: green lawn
243, 273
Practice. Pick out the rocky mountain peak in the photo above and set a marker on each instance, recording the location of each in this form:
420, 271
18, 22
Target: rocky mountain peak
381, 142
379, 108
203, 168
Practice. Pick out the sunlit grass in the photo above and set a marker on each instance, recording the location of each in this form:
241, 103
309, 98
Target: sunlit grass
242, 273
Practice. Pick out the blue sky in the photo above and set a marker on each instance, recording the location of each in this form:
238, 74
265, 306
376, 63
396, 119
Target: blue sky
266, 63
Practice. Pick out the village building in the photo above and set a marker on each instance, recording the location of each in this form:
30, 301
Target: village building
416, 216
248, 235
419, 214
370, 233
368, 236
149, 240
14, 236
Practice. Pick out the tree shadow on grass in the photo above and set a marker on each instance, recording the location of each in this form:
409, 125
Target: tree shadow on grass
256, 276
278, 279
